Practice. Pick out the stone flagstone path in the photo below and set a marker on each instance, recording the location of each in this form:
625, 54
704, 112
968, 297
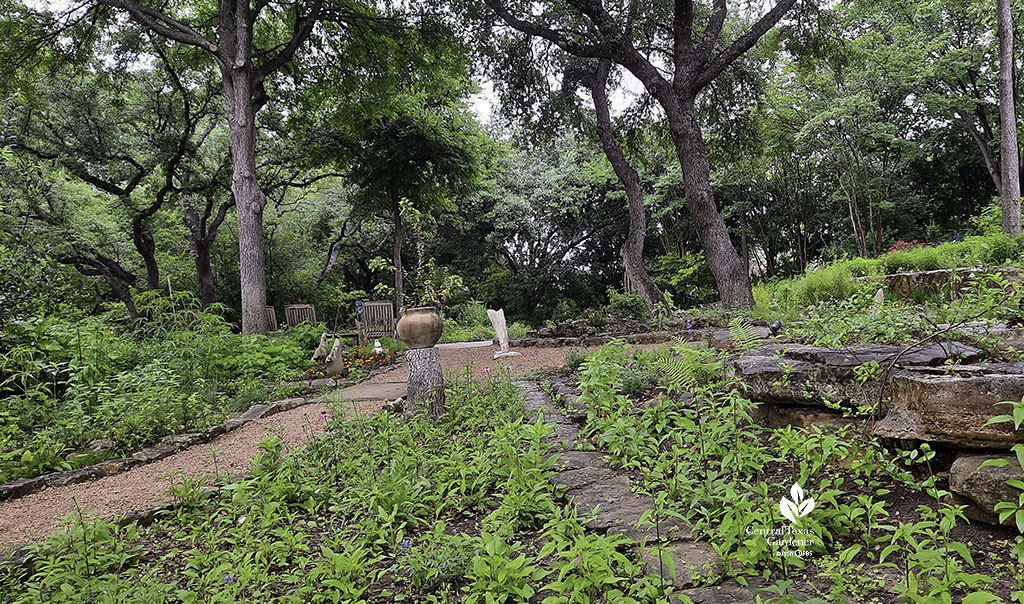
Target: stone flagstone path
605, 495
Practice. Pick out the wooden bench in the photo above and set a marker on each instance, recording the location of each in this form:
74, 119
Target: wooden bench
377, 320
298, 313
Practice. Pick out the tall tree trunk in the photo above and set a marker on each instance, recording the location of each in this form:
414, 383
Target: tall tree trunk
201, 230
146, 247
396, 209
204, 271
982, 143
731, 275
249, 197
1010, 161
633, 248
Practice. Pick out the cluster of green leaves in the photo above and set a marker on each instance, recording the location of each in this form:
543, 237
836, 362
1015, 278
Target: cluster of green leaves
470, 323
365, 513
855, 319
841, 279
628, 304
66, 383
703, 459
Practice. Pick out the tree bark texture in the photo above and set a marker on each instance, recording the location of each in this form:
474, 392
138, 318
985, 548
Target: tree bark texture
696, 61
1009, 159
426, 381
731, 274
249, 197
633, 248
244, 95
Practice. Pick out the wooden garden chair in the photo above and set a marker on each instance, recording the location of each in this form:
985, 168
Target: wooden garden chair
378, 320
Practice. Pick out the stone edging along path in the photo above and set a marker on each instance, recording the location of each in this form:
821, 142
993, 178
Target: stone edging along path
171, 444
604, 494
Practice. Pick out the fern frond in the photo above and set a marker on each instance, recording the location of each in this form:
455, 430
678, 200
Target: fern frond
690, 368
743, 335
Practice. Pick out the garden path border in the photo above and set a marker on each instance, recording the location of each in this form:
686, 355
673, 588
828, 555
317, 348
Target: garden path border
171, 444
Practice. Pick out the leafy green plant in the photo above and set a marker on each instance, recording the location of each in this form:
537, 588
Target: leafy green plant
498, 574
1008, 509
574, 359
743, 336
437, 559
628, 304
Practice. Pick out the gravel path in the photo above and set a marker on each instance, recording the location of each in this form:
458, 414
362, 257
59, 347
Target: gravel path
33, 517
454, 360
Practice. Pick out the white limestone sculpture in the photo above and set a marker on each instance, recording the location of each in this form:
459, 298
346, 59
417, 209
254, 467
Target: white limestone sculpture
879, 299
321, 351
336, 360
377, 348
497, 318
395, 406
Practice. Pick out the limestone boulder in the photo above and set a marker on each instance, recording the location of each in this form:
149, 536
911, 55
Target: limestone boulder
982, 488
905, 284
951, 406
795, 374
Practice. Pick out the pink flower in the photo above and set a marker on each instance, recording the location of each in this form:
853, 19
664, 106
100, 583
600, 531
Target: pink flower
487, 369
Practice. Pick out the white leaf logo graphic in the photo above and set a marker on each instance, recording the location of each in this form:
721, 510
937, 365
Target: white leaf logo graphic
798, 507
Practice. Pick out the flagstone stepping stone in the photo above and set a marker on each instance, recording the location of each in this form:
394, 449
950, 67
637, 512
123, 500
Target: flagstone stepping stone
689, 558
570, 396
582, 477
573, 460
252, 414
666, 530
613, 502
726, 593
562, 434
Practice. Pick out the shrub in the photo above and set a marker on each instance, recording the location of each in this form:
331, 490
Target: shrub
631, 305
632, 384
574, 360
596, 319
918, 259
826, 283
473, 313
993, 249
517, 330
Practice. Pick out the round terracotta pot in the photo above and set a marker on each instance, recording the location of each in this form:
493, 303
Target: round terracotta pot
420, 327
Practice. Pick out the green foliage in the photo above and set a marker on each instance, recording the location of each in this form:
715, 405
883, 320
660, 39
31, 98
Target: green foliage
574, 359
743, 336
291, 533
855, 320
596, 318
438, 559
631, 305
66, 383
833, 282
687, 279
919, 259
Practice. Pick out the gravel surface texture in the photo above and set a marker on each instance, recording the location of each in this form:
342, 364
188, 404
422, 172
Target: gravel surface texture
455, 360
33, 517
